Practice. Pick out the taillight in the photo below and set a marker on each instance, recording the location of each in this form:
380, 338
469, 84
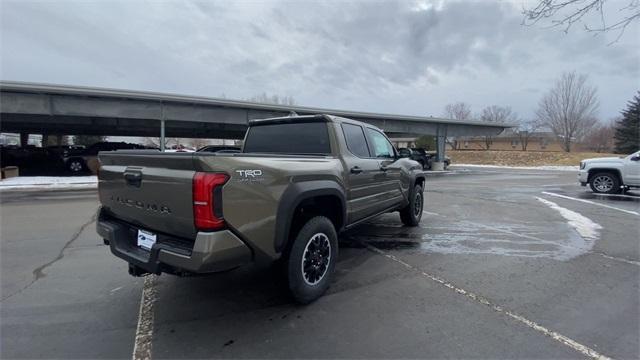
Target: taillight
207, 200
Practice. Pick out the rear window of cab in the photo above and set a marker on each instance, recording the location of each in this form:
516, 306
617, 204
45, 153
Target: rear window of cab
307, 138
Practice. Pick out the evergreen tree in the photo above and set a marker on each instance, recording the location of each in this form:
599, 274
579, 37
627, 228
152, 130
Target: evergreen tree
427, 142
627, 135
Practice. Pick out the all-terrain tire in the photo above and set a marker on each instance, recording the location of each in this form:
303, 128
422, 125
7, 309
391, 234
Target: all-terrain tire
605, 183
311, 260
412, 213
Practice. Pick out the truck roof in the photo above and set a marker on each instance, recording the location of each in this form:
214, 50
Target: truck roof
309, 118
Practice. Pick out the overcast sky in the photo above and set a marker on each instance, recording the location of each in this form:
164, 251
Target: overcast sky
408, 57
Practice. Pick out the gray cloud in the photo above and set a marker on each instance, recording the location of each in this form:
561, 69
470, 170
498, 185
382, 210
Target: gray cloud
377, 56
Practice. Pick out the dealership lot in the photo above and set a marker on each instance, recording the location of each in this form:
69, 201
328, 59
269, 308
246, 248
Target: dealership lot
505, 264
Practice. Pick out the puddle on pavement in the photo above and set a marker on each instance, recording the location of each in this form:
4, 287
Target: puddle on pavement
544, 240
509, 240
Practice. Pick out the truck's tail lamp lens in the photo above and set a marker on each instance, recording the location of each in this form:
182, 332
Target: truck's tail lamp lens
207, 200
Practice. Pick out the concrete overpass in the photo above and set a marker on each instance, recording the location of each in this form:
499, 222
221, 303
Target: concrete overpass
59, 109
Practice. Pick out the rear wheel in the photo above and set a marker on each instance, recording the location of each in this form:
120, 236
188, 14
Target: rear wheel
75, 166
311, 260
605, 183
412, 213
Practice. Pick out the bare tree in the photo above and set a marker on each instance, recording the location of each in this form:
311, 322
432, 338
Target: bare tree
600, 137
199, 143
499, 115
565, 13
57, 140
168, 142
273, 99
527, 129
569, 108
458, 111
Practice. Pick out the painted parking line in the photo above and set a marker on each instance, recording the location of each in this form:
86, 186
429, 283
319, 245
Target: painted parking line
581, 348
592, 203
632, 262
587, 228
144, 332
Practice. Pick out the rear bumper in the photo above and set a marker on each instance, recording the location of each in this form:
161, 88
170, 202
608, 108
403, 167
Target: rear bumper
211, 251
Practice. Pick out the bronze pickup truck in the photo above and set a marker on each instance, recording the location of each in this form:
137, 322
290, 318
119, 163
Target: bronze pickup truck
297, 183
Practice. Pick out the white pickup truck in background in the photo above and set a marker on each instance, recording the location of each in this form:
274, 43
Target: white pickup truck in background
611, 175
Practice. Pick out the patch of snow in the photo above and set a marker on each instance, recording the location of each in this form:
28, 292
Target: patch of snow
543, 167
588, 230
49, 182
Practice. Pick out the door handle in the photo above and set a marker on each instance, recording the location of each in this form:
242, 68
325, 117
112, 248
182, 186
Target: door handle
356, 170
133, 178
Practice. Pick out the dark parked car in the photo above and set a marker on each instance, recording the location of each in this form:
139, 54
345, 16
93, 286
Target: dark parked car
31, 160
425, 158
64, 150
432, 157
79, 161
417, 155
220, 149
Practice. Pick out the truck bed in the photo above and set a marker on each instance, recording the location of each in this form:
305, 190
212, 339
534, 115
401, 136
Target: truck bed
153, 191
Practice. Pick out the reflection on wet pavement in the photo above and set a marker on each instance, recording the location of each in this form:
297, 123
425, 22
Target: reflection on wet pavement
553, 240
612, 197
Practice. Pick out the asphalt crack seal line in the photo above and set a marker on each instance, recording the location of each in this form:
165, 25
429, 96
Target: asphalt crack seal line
144, 331
38, 273
583, 349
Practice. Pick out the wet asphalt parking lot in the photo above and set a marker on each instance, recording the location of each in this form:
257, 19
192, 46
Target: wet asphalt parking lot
505, 264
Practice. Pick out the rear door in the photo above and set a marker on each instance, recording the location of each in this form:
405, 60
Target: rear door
365, 179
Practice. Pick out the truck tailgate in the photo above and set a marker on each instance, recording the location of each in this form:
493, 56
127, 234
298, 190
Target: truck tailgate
149, 189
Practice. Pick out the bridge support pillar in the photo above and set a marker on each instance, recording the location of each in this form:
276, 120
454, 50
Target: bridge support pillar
24, 139
441, 136
162, 135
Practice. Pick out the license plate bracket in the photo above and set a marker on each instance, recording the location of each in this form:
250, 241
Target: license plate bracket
146, 239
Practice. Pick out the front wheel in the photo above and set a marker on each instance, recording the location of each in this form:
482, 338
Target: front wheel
412, 213
605, 183
311, 260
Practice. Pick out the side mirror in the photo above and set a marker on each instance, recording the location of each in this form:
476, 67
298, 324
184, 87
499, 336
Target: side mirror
404, 155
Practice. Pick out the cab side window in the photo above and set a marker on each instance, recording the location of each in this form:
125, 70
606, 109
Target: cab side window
381, 147
356, 141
